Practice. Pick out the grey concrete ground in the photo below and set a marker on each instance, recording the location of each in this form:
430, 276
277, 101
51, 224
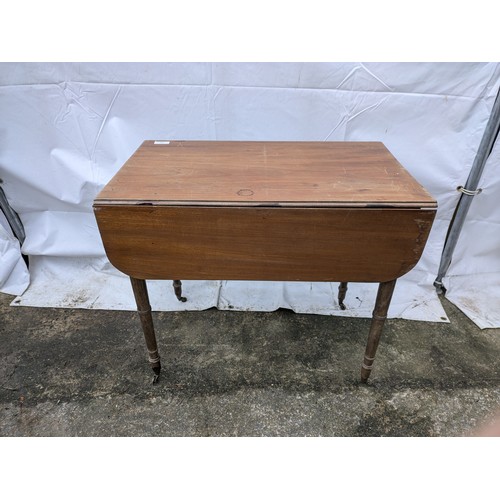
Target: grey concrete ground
84, 373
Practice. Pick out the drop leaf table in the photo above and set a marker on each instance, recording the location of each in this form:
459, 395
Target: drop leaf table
278, 211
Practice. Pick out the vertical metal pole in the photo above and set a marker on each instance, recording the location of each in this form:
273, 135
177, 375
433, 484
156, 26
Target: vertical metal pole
468, 192
14, 222
12, 217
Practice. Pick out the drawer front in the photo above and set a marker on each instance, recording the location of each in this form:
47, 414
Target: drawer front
257, 243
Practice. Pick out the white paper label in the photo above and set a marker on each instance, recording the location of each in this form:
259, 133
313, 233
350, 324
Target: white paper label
162, 142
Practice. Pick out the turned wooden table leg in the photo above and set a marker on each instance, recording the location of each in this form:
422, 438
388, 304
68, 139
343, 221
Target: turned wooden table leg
144, 310
342, 292
177, 284
384, 296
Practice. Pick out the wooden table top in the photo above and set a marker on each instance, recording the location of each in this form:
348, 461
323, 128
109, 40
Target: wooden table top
236, 173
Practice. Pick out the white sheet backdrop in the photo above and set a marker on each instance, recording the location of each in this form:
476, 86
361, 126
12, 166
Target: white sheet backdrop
66, 128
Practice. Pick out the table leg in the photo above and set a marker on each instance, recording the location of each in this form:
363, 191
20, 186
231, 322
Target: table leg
342, 292
177, 284
384, 296
144, 310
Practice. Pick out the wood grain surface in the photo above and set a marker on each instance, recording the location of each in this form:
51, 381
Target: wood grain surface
278, 244
264, 174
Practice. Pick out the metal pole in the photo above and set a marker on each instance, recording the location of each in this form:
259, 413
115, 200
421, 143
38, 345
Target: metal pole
468, 192
12, 217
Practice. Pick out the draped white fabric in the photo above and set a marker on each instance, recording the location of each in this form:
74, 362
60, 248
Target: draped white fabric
66, 128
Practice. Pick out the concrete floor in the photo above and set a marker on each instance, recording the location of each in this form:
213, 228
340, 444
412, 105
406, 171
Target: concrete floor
84, 373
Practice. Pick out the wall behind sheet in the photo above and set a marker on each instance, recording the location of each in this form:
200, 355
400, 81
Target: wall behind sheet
66, 128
